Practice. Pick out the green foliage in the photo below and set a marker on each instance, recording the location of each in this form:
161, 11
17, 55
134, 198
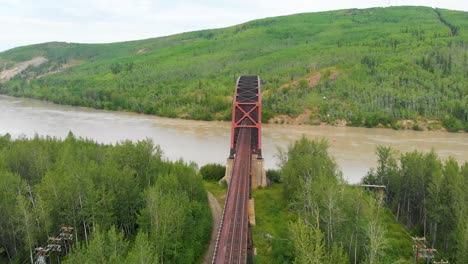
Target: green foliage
416, 127
375, 119
212, 172
434, 126
452, 124
428, 196
217, 189
304, 163
376, 232
176, 212
122, 200
9, 186
356, 120
343, 223
273, 175
104, 247
271, 233
309, 246
142, 251
370, 67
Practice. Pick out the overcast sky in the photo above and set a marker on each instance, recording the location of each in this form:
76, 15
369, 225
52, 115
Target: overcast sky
24, 22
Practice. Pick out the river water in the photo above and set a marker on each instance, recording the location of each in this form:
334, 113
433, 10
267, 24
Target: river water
208, 142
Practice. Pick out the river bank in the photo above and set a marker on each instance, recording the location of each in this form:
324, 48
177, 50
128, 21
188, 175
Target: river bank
208, 141
306, 119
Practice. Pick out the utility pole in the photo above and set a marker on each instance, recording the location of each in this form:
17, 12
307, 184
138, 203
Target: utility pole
67, 237
421, 250
41, 255
54, 245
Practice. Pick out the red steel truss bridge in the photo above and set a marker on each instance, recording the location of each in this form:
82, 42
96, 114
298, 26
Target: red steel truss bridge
234, 242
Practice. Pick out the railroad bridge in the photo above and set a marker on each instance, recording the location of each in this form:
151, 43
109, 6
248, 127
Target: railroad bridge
244, 171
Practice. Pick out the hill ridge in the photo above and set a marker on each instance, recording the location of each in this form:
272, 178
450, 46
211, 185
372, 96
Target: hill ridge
391, 64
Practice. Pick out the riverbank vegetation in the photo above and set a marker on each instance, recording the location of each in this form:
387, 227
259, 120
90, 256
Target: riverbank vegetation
212, 172
428, 196
329, 220
398, 67
313, 216
127, 204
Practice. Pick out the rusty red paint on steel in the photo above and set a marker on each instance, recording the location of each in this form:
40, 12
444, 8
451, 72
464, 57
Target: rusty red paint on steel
234, 242
235, 234
247, 112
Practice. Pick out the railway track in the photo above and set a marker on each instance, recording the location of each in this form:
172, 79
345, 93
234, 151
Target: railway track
233, 237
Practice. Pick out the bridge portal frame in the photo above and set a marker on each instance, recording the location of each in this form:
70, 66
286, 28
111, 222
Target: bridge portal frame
247, 113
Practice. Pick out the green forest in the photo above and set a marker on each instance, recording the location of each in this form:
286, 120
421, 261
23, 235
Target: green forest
428, 196
126, 203
398, 67
310, 215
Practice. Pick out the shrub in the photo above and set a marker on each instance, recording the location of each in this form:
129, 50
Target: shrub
212, 172
371, 121
395, 125
416, 127
273, 175
355, 120
434, 126
452, 124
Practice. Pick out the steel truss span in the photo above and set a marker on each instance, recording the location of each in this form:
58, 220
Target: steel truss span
234, 242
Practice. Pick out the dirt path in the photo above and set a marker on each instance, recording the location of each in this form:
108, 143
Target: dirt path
216, 212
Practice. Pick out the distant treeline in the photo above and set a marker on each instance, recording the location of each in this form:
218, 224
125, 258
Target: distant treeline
126, 202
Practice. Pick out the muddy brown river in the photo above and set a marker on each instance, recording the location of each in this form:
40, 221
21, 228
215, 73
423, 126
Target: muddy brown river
208, 142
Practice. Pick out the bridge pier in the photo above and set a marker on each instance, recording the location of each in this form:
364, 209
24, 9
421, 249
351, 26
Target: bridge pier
228, 172
259, 178
258, 174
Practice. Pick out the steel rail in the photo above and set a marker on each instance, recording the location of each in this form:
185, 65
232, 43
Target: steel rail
237, 254
232, 241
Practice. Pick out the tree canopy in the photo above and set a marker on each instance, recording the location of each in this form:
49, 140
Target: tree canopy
127, 204
428, 196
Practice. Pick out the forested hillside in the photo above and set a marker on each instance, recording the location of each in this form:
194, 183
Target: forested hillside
125, 202
367, 67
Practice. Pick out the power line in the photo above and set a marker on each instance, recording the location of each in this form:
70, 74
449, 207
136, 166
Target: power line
55, 244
